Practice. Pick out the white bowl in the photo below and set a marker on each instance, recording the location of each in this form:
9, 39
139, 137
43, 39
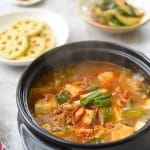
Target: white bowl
142, 4
56, 22
24, 3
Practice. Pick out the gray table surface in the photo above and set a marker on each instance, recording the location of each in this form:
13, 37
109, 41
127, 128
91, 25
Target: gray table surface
79, 31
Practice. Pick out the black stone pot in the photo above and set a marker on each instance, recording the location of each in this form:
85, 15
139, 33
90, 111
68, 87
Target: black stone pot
34, 137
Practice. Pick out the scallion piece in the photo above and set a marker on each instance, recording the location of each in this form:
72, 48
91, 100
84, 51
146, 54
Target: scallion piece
88, 99
102, 102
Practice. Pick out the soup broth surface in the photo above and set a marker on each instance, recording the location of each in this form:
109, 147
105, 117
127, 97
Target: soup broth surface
91, 102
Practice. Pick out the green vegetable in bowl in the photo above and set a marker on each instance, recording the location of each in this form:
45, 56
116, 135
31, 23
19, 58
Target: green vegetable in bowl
106, 114
108, 14
114, 22
102, 101
63, 97
134, 113
90, 97
97, 98
107, 4
115, 13
128, 21
125, 8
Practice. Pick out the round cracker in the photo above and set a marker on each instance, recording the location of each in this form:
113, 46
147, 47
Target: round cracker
36, 48
29, 27
48, 36
12, 44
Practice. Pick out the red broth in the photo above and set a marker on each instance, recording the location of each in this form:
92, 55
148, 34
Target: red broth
91, 102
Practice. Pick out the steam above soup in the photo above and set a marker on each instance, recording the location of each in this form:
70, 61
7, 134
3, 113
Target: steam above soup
91, 102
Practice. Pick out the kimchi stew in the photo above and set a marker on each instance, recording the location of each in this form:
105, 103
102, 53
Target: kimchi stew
91, 102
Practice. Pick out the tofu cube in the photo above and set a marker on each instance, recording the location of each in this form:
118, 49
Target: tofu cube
106, 78
74, 90
121, 131
42, 108
46, 106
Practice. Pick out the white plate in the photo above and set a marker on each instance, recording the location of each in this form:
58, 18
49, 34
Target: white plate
24, 3
56, 22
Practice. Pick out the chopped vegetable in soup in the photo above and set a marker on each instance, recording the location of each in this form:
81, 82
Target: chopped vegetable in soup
91, 102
